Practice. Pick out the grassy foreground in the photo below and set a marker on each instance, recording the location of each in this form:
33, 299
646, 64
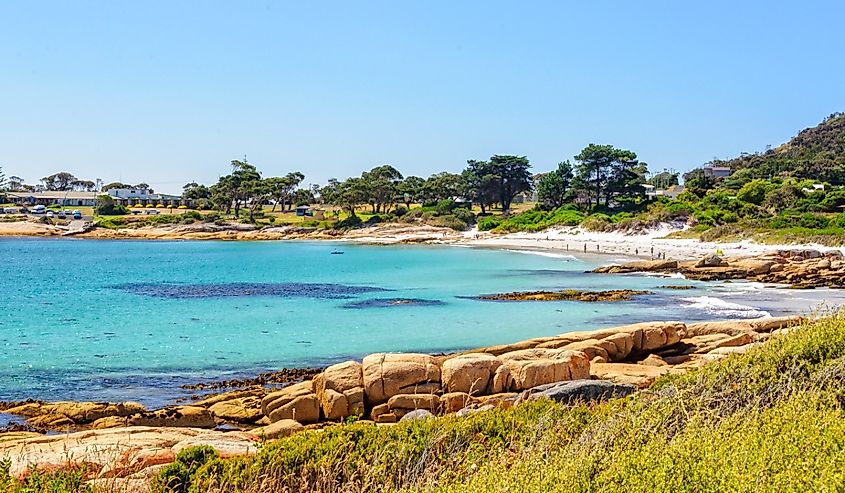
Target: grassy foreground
769, 420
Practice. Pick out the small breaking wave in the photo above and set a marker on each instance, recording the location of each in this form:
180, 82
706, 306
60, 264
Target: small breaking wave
545, 254
674, 275
719, 307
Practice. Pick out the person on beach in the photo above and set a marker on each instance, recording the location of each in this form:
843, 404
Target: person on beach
585, 248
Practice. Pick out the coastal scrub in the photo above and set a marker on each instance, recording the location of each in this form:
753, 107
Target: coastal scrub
767, 420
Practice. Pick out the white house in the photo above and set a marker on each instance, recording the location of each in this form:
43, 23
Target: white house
717, 171
69, 199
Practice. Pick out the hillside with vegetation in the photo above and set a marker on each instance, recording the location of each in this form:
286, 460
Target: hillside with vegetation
816, 153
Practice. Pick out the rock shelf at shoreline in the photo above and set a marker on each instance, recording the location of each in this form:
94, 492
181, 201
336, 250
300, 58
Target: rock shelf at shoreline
382, 388
565, 295
800, 269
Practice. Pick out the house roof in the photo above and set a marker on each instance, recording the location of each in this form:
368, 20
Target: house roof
54, 195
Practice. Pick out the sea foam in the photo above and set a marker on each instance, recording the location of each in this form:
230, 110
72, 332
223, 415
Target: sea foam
721, 308
545, 254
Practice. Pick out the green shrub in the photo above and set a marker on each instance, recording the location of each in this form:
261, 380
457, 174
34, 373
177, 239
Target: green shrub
445, 206
596, 222
539, 220
489, 222
110, 222
374, 219
177, 477
449, 221
349, 222
111, 209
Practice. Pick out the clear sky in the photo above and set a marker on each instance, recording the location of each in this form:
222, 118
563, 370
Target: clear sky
169, 92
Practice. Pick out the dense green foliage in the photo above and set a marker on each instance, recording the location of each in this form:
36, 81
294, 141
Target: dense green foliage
533, 220
188, 217
555, 188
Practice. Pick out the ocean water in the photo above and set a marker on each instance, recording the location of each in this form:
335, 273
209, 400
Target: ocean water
129, 320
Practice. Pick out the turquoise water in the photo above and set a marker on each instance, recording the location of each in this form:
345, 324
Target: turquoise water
119, 320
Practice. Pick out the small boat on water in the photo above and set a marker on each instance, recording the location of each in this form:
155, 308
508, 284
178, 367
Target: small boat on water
336, 252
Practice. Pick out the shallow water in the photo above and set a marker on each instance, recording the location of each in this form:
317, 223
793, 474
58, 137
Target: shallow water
129, 320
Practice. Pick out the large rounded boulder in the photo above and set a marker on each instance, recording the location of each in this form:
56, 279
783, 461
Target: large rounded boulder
389, 374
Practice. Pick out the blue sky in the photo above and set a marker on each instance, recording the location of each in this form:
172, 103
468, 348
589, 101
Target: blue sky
168, 92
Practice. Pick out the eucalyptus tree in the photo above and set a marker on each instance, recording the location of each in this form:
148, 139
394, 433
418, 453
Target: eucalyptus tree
443, 186
513, 177
347, 195
555, 188
59, 182
381, 185
605, 172
411, 190
664, 179
481, 184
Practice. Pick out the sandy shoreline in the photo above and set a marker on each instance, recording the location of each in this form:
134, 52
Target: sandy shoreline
564, 240
573, 240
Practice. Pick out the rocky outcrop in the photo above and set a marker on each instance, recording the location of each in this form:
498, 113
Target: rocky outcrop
387, 386
73, 413
118, 452
578, 391
798, 268
176, 416
566, 295
639, 266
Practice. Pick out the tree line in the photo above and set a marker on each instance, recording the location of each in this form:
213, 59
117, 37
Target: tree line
601, 176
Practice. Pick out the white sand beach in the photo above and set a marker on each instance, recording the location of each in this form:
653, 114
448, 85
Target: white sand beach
648, 245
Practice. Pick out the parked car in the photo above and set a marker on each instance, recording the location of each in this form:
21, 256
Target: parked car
39, 209
153, 211
50, 214
137, 211
77, 215
61, 214
24, 210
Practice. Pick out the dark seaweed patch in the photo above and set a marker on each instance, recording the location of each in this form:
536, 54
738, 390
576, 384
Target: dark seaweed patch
392, 302
233, 290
